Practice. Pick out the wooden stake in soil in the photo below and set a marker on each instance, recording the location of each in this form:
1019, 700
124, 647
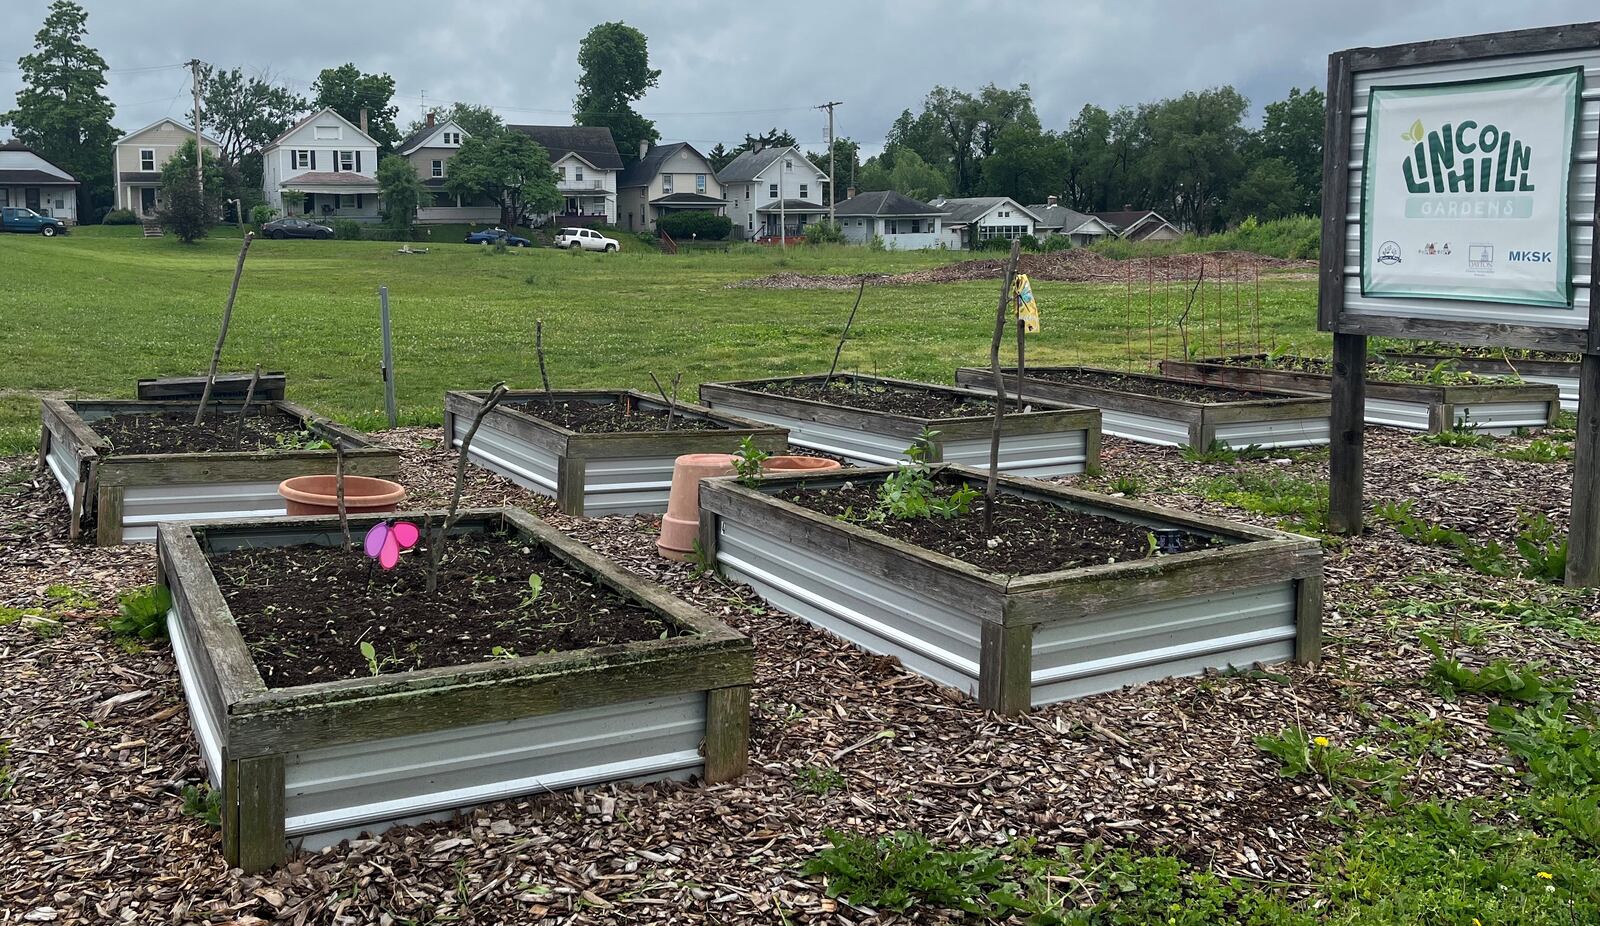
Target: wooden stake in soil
338, 493
991, 490
538, 348
846, 332
244, 410
672, 400
436, 543
227, 315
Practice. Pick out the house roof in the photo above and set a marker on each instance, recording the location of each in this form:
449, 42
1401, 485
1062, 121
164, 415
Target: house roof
884, 203
34, 177
642, 171
187, 129
404, 145
687, 199
313, 117
17, 174
1121, 221
750, 163
1065, 220
794, 205
592, 143
329, 178
964, 210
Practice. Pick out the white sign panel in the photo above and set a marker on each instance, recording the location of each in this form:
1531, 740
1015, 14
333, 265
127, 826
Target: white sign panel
1464, 189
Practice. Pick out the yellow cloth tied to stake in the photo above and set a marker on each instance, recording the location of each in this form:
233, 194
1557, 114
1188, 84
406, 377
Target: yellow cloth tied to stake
1027, 309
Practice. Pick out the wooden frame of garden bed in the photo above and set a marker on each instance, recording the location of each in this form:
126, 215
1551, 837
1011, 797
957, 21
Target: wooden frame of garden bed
1018, 642
226, 386
1493, 409
1052, 440
322, 762
127, 495
1283, 419
1563, 374
594, 474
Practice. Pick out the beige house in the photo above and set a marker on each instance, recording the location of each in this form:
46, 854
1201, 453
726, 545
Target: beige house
665, 179
141, 155
28, 181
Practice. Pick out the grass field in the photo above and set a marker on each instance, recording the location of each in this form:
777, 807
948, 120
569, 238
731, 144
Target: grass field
89, 314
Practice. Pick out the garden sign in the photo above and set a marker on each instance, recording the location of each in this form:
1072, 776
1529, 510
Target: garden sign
1464, 189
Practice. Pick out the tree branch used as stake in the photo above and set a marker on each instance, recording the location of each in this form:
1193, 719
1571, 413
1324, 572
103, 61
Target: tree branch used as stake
227, 315
338, 493
436, 543
672, 400
846, 332
1183, 320
244, 410
538, 348
992, 489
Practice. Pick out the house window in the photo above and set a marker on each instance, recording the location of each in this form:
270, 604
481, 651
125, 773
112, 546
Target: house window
147, 159
805, 191
300, 160
577, 172
5, 196
1007, 232
347, 160
750, 222
327, 131
916, 226
666, 183
700, 184
772, 191
347, 201
788, 164
561, 172
438, 168
749, 192
452, 138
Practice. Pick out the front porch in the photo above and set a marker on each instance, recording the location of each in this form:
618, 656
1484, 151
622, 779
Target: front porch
332, 195
56, 200
790, 221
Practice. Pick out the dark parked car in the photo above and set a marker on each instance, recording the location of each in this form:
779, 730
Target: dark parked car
28, 222
491, 235
295, 228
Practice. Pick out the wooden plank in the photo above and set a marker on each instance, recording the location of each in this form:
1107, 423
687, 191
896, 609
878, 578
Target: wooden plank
108, 515
1489, 366
1472, 334
198, 600
1308, 619
1005, 668
1583, 532
1578, 36
570, 475
226, 386
1347, 433
253, 811
727, 745
1091, 450
1335, 191
218, 468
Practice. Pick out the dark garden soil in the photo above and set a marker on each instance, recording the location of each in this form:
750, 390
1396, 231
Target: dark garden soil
176, 432
1160, 388
1032, 536
1476, 353
608, 417
304, 611
880, 397
1377, 369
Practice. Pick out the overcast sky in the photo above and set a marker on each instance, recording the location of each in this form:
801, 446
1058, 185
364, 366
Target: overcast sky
728, 68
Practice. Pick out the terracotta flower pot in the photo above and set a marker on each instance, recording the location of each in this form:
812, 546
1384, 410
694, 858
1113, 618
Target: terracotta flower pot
319, 494
680, 526
799, 464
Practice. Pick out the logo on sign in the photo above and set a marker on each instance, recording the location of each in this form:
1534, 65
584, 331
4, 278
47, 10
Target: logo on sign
1389, 253
1480, 257
1530, 257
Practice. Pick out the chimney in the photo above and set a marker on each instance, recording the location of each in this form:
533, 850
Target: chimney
1048, 200
849, 192
363, 120
1127, 207
430, 118
644, 147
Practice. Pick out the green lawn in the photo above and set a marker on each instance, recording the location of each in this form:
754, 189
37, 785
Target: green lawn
88, 314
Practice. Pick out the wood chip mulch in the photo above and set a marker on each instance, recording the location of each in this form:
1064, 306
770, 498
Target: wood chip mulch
1077, 265
99, 744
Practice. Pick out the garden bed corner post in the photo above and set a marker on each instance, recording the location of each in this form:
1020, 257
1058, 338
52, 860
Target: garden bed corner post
1583, 531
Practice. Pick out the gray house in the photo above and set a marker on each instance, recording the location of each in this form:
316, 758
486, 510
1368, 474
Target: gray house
773, 191
901, 222
1056, 219
972, 220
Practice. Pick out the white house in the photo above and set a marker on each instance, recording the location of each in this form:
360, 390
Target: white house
771, 189
1140, 225
139, 157
28, 180
331, 160
975, 219
902, 223
1056, 219
667, 178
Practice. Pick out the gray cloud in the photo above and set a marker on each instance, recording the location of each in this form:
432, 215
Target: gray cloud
728, 68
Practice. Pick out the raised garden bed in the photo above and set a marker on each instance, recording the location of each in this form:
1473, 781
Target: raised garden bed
660, 691
1171, 412
597, 452
1554, 369
871, 420
1415, 405
226, 386
126, 465
1070, 624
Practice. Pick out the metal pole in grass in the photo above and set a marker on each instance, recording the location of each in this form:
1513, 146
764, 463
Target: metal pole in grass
388, 358
993, 486
227, 316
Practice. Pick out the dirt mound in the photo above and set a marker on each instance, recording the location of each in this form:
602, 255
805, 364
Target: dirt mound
1075, 266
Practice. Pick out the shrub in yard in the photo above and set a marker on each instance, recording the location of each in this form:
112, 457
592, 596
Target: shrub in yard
188, 209
699, 226
1030, 243
824, 232
1056, 243
347, 229
121, 217
261, 214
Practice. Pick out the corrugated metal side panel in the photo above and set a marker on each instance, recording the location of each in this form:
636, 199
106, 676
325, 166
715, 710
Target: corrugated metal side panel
1580, 202
1171, 638
929, 637
1146, 429
864, 448
144, 507
1568, 386
203, 714
1413, 416
629, 485
1504, 417
1054, 453
1287, 432
63, 465
376, 782
528, 466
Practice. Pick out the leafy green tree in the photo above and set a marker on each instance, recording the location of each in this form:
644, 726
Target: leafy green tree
1291, 130
720, 156
615, 62
509, 168
401, 190
244, 114
1194, 156
187, 210
910, 175
846, 163
348, 91
473, 118
62, 111
1026, 163
1269, 190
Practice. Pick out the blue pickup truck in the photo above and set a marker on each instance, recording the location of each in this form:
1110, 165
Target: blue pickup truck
26, 221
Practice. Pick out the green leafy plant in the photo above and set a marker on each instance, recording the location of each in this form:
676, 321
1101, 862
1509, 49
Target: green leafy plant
1126, 486
7, 777
1217, 452
202, 803
1301, 755
1447, 677
748, 462
375, 664
501, 652
911, 491
300, 440
530, 598
1302, 503
821, 779
1460, 434
1542, 548
901, 870
142, 614
1539, 450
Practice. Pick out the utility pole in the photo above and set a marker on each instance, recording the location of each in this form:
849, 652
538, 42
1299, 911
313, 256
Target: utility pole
831, 197
199, 152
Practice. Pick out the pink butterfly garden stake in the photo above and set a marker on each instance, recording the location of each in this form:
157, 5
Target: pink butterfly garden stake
386, 539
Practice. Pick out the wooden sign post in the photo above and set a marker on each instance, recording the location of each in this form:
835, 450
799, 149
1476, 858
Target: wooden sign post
1479, 179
